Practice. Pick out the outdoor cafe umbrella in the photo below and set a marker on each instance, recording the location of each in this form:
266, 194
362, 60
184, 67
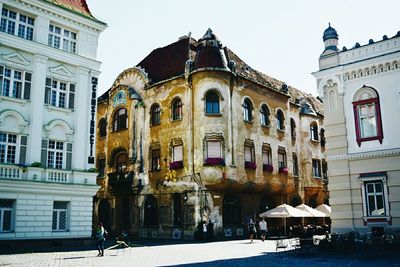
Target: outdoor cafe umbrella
325, 209
313, 212
284, 211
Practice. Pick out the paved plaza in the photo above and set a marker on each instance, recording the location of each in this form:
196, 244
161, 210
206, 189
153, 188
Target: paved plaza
225, 253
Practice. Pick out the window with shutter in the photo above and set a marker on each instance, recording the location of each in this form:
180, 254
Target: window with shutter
177, 153
248, 151
15, 83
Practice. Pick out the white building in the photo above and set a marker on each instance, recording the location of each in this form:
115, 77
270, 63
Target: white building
361, 91
48, 89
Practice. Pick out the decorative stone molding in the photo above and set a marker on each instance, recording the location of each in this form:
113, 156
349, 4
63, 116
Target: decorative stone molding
51, 135
6, 126
15, 58
61, 72
367, 155
139, 72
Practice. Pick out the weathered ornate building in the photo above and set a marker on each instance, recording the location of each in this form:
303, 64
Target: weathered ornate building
48, 82
360, 88
193, 133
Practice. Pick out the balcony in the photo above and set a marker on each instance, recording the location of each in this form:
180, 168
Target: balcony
121, 181
39, 174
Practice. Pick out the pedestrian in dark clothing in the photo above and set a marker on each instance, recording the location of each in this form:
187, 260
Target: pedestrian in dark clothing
100, 233
210, 230
252, 229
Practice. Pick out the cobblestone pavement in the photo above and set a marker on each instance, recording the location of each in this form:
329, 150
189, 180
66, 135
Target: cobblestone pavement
225, 253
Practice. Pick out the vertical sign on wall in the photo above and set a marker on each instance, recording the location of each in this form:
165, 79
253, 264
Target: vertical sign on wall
92, 119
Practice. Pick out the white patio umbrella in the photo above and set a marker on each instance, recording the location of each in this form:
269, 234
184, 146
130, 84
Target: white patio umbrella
325, 209
311, 211
284, 211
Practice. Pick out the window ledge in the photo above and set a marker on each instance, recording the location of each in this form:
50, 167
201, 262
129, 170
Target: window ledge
246, 121
176, 120
213, 114
64, 110
316, 142
12, 99
282, 131
119, 130
266, 127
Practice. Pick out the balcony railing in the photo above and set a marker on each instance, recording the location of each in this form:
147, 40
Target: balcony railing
10, 172
57, 176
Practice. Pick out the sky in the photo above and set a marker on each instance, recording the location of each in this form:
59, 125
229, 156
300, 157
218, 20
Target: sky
282, 39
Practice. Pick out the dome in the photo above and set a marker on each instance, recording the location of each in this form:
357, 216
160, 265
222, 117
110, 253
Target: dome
307, 109
330, 33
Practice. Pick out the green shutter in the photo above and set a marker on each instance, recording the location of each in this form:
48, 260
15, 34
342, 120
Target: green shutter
71, 100
22, 150
44, 153
27, 85
69, 156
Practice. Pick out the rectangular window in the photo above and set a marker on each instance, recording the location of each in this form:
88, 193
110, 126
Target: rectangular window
60, 216
367, 120
295, 165
266, 154
55, 155
316, 165
15, 83
102, 165
281, 158
324, 170
6, 215
214, 149
59, 94
375, 198
17, 24
248, 154
177, 153
155, 159
62, 39
8, 148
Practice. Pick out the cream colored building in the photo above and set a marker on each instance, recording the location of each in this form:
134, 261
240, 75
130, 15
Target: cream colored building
193, 133
360, 87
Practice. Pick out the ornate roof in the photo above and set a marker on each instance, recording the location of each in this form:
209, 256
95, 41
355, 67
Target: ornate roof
79, 6
330, 33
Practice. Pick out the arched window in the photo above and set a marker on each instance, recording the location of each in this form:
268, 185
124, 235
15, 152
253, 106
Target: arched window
322, 135
332, 100
312, 202
212, 103
121, 162
103, 127
120, 120
280, 120
292, 128
150, 211
367, 115
247, 110
176, 109
155, 112
296, 200
231, 211
314, 131
264, 115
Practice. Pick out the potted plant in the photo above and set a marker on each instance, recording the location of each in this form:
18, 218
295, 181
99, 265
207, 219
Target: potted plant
36, 164
250, 165
283, 170
268, 167
215, 161
176, 165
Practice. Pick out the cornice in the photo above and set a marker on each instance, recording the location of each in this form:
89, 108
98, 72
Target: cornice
367, 155
48, 11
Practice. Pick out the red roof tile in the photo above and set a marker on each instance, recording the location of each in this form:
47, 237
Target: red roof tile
79, 6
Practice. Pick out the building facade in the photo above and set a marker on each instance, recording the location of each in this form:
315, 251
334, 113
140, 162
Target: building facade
360, 88
48, 80
192, 133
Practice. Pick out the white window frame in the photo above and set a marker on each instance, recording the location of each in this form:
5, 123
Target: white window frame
314, 132
57, 212
177, 153
366, 118
23, 25
54, 151
266, 155
251, 153
62, 38
366, 180
7, 144
59, 93
11, 76
316, 169
214, 143
2, 211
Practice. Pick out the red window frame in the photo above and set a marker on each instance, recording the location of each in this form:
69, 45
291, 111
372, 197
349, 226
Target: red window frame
379, 131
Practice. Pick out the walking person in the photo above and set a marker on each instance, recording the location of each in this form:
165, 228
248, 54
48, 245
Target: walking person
252, 229
263, 229
210, 230
204, 231
100, 233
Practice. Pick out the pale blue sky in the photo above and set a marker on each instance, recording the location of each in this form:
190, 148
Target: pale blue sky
282, 38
